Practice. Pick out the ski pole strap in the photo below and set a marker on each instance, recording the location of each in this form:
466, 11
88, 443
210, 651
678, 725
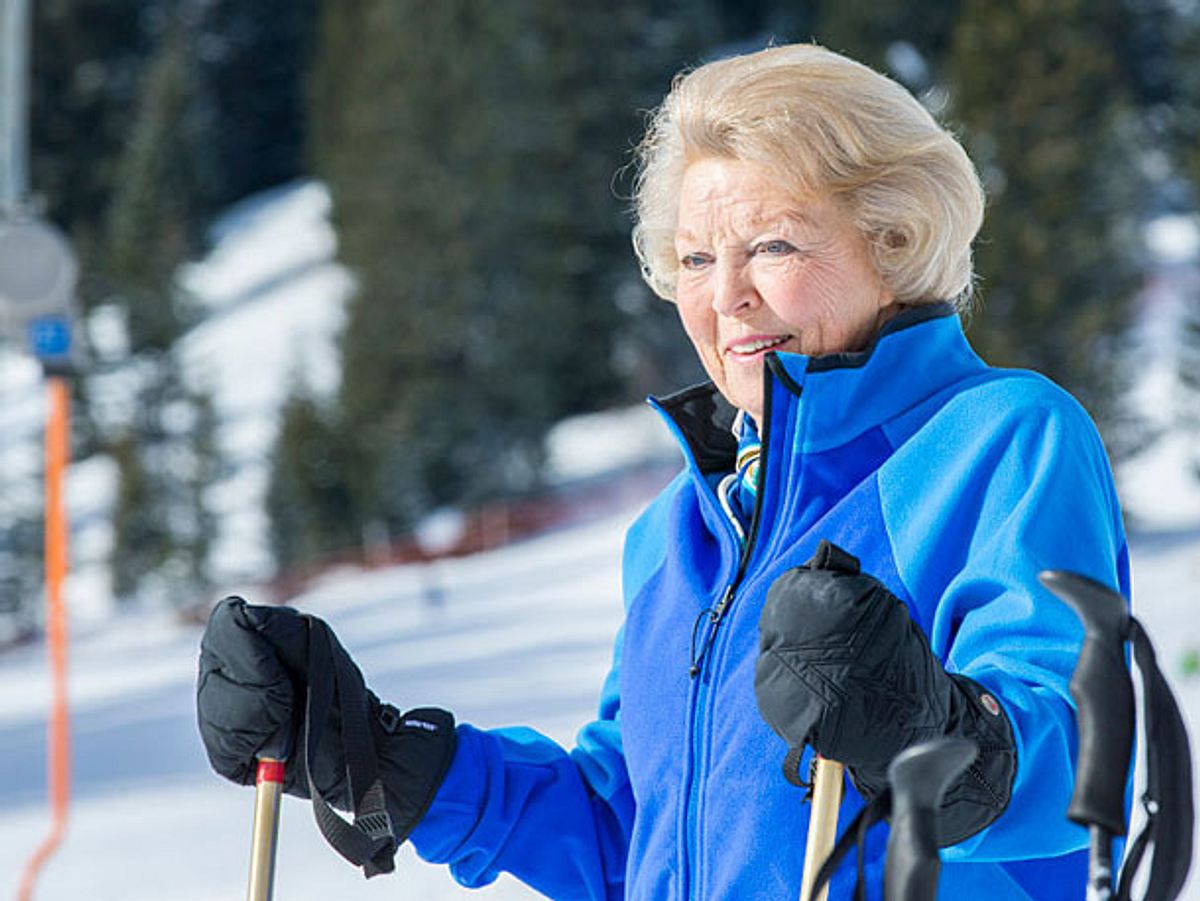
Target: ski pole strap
855, 834
1170, 816
368, 841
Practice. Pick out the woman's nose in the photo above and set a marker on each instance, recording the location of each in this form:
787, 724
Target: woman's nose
733, 291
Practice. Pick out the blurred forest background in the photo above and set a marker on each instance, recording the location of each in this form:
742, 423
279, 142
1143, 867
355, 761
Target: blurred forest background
477, 159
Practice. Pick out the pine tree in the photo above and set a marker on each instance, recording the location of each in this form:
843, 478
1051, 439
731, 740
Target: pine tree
873, 33
166, 462
1189, 376
251, 64
1179, 113
1048, 120
151, 224
308, 499
140, 534
470, 150
200, 466
22, 571
87, 64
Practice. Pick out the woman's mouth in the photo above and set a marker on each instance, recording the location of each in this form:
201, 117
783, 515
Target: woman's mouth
754, 346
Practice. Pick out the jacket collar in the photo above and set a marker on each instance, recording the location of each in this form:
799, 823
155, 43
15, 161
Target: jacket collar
916, 354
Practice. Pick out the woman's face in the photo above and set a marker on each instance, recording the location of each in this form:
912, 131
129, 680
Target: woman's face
761, 272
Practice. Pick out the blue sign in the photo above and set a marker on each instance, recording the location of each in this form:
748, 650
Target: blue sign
49, 337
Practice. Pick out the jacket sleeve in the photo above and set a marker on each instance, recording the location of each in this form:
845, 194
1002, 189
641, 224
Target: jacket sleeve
972, 526
517, 802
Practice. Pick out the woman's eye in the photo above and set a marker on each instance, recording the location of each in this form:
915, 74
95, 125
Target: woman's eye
775, 248
693, 260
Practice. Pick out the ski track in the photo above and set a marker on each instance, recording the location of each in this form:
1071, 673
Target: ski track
520, 636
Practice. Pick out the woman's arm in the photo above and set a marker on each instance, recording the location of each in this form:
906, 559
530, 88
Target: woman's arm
1026, 488
514, 801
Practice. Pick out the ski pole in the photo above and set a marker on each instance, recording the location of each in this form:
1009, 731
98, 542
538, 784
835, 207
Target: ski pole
268, 791
1103, 694
822, 826
919, 777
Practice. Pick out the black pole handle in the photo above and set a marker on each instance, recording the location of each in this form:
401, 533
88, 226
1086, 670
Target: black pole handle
919, 777
1103, 693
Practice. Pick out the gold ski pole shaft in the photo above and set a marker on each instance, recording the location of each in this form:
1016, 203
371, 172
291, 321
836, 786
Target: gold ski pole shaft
822, 825
266, 829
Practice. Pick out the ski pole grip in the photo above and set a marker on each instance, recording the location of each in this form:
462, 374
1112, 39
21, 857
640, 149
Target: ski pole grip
1103, 694
919, 777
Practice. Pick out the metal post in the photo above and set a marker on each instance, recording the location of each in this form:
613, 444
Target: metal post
14, 105
268, 792
57, 458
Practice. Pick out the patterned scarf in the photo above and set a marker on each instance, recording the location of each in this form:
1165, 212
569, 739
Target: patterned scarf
746, 468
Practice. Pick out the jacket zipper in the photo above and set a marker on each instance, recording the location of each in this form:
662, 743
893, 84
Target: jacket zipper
710, 621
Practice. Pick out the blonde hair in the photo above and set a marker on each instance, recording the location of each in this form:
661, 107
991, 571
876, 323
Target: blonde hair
828, 126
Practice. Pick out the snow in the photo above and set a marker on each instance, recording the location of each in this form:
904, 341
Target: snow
521, 635
1174, 239
595, 444
275, 297
1160, 485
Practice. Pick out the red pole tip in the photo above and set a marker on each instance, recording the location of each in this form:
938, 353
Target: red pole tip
270, 771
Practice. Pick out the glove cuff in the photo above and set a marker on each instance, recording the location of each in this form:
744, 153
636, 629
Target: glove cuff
415, 750
983, 791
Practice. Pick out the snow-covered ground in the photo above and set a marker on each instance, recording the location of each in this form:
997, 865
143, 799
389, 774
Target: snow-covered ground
521, 635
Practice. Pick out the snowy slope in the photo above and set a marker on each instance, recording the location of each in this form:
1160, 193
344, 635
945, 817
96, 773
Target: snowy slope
275, 298
272, 297
523, 636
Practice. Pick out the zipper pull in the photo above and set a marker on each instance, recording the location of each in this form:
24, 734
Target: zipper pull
719, 610
714, 616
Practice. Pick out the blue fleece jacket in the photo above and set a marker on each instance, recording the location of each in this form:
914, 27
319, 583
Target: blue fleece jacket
954, 483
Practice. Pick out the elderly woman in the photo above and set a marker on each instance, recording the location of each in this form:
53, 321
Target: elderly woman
851, 546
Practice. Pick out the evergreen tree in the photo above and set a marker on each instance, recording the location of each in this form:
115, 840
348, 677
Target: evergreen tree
1189, 376
166, 461
251, 64
243, 127
874, 34
140, 534
1179, 111
308, 501
168, 455
87, 63
22, 570
1049, 121
151, 223
200, 463
470, 150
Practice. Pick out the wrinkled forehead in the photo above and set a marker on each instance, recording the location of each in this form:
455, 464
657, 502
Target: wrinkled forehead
733, 197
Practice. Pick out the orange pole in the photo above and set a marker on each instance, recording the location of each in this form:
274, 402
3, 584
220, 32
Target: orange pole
58, 453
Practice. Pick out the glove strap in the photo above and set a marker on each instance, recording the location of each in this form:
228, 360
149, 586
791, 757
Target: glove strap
368, 841
855, 836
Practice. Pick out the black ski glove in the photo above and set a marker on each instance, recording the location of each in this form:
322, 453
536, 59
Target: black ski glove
843, 667
251, 697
